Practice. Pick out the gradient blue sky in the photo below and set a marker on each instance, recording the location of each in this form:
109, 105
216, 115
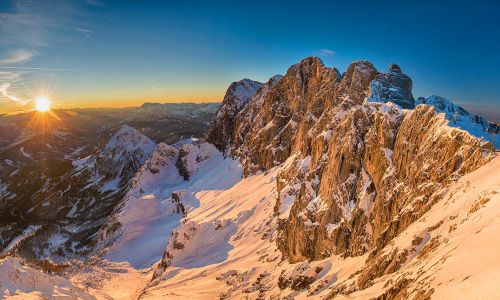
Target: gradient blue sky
95, 53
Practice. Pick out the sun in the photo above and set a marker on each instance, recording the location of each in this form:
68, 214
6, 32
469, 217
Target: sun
42, 104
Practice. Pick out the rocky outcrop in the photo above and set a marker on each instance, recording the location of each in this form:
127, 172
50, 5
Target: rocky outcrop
458, 117
284, 112
237, 96
191, 156
159, 168
356, 170
392, 86
123, 155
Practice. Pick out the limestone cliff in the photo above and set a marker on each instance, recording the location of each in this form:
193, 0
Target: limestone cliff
357, 167
237, 96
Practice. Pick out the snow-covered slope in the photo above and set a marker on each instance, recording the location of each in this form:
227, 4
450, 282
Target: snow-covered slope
460, 118
227, 250
157, 203
160, 198
19, 281
148, 212
225, 236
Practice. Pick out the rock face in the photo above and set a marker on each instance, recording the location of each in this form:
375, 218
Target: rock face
357, 171
392, 86
460, 118
237, 96
124, 154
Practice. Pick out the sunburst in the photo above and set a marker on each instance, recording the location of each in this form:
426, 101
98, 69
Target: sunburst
42, 104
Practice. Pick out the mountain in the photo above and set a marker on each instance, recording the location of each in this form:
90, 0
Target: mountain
346, 181
314, 184
393, 86
237, 96
228, 250
350, 165
25, 282
122, 156
460, 118
63, 175
65, 215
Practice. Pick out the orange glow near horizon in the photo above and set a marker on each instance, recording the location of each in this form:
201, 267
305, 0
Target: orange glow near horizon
111, 102
108, 101
44, 120
71, 98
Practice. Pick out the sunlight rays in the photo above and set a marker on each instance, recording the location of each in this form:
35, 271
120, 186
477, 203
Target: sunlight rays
42, 104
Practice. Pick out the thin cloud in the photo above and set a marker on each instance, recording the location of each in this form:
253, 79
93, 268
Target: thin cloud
31, 27
16, 57
35, 68
37, 24
4, 91
84, 30
94, 3
325, 52
27, 24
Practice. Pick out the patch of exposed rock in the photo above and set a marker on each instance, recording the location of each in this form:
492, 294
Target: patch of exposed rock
392, 86
237, 96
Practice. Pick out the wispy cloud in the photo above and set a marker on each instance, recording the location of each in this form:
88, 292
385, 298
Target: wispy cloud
35, 68
84, 30
157, 89
325, 52
4, 91
94, 3
28, 29
16, 56
28, 24
13, 86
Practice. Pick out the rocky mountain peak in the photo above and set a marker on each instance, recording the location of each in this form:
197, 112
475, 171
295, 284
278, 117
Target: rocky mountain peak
240, 92
126, 139
458, 117
274, 80
345, 159
356, 80
124, 154
394, 86
308, 67
393, 68
237, 96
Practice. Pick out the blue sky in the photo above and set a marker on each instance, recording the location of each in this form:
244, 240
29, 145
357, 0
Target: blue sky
121, 53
